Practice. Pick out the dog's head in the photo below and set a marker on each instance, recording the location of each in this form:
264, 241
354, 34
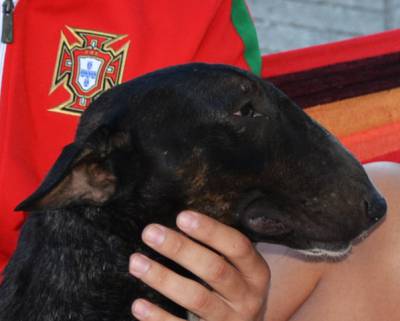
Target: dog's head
221, 141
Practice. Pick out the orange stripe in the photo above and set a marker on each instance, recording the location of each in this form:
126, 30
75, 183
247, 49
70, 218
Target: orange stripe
357, 114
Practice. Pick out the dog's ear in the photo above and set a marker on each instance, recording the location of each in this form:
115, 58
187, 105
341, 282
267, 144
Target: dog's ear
82, 175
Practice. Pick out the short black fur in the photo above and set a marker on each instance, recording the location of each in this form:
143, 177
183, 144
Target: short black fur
212, 138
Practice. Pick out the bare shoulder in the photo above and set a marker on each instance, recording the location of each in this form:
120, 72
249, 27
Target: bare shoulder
371, 274
385, 241
386, 176
344, 290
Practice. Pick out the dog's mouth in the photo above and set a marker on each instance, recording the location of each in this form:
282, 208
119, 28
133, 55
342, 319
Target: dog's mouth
264, 221
329, 251
336, 251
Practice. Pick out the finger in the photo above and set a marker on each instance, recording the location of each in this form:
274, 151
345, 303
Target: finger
206, 264
185, 292
229, 242
144, 310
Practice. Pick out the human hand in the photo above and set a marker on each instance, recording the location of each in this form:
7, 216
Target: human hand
239, 283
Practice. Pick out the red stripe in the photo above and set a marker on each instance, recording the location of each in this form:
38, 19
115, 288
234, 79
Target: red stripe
375, 144
389, 157
332, 53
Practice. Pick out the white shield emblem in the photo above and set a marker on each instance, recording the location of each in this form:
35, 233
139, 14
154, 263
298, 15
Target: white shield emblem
88, 72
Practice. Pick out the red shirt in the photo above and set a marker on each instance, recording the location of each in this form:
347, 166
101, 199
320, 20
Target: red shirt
66, 52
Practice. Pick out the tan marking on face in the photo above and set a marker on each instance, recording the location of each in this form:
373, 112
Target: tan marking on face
201, 188
216, 205
214, 193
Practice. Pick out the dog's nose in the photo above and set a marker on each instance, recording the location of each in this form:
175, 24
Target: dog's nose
376, 208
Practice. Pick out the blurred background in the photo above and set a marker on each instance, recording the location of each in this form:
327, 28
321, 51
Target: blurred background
302, 23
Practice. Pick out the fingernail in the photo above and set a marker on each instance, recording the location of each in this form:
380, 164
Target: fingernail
139, 265
140, 309
154, 234
188, 221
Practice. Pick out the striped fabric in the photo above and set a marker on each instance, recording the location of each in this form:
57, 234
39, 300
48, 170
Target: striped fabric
351, 87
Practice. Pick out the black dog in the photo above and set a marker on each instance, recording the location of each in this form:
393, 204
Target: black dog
207, 137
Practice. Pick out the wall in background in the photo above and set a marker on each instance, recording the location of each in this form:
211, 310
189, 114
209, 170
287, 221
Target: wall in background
289, 24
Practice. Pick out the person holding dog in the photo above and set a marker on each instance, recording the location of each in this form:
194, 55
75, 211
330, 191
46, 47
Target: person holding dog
365, 286
243, 285
49, 79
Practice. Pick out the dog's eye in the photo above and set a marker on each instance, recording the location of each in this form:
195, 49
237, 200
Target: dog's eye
248, 111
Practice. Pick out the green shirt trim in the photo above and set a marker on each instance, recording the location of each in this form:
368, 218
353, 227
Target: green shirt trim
244, 26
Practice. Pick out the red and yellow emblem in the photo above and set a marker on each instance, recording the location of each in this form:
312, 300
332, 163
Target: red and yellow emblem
87, 64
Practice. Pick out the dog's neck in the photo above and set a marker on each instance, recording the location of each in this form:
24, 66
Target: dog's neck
77, 257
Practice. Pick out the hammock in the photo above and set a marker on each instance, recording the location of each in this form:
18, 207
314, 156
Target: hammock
351, 87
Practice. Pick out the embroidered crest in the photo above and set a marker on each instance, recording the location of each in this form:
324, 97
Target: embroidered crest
88, 62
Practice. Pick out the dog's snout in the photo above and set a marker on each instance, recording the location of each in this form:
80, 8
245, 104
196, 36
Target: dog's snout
376, 208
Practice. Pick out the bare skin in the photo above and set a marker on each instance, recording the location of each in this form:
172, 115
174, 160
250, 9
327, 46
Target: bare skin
240, 287
365, 286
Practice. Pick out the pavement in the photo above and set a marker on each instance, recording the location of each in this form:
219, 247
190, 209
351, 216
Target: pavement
289, 24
